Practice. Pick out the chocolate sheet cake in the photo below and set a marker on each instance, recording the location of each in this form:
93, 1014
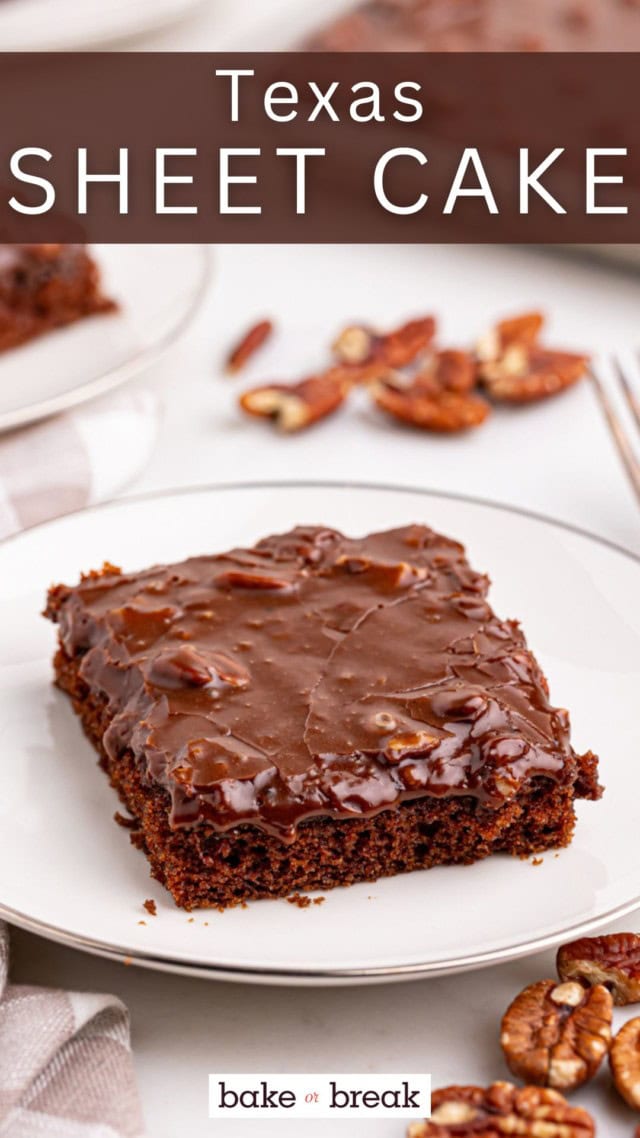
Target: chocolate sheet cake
316, 711
44, 287
484, 25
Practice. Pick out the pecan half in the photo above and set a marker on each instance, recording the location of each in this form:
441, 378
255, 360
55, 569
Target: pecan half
523, 374
447, 370
356, 345
401, 346
360, 346
521, 330
556, 1035
253, 339
295, 406
441, 411
530, 1112
612, 960
625, 1062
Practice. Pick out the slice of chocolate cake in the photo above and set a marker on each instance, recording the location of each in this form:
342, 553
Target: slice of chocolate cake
44, 287
316, 711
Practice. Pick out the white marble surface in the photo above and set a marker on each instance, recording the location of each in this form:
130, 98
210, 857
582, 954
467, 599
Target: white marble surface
556, 459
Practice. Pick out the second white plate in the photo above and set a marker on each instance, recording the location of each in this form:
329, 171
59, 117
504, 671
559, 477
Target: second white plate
158, 289
40, 25
68, 872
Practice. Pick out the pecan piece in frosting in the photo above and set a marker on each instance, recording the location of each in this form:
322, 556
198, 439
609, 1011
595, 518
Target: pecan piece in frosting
612, 960
556, 1035
625, 1062
502, 1109
295, 406
523, 375
442, 411
447, 370
522, 331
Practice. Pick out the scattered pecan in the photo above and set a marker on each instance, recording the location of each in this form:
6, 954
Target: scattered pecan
520, 329
447, 370
556, 1035
515, 368
295, 406
530, 1112
402, 346
442, 411
612, 960
625, 1062
253, 579
253, 339
356, 345
524, 374
362, 347
517, 330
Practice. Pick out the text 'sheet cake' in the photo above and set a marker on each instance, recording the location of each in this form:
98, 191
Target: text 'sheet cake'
316, 711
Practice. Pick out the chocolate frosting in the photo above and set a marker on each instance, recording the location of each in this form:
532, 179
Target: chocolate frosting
315, 675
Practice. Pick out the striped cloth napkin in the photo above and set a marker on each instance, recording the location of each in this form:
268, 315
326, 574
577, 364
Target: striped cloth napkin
75, 459
65, 1057
65, 1063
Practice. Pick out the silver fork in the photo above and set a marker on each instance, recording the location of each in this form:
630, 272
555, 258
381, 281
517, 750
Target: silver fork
624, 445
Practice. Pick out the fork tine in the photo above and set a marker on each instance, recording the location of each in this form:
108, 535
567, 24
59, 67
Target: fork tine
624, 447
630, 394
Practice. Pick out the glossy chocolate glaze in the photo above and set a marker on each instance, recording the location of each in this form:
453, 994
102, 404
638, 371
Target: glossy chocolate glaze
315, 675
485, 25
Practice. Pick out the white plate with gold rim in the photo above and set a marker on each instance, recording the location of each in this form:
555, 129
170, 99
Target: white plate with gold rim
68, 872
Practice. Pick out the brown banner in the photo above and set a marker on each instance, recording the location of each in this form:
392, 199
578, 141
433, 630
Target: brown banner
319, 147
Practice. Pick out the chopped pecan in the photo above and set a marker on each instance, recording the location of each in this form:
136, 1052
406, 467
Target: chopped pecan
402, 346
556, 1035
253, 339
362, 347
442, 411
520, 329
612, 960
295, 406
476, 1112
625, 1062
523, 375
517, 330
253, 579
447, 370
187, 667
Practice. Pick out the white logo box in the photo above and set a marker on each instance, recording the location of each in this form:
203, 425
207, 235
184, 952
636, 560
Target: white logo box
319, 1096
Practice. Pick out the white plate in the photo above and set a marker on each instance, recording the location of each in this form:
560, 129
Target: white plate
67, 871
62, 25
158, 288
